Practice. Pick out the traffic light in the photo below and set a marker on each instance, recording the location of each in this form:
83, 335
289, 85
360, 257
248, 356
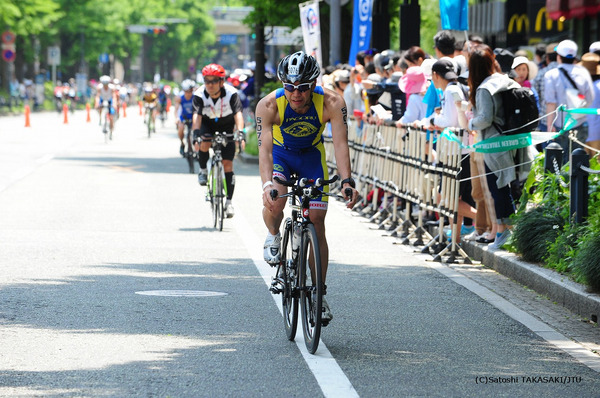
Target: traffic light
157, 29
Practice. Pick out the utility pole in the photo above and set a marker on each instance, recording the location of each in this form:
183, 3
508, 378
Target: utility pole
335, 20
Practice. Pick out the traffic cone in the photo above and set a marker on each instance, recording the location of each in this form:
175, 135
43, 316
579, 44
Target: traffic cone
27, 112
124, 109
87, 109
140, 105
66, 113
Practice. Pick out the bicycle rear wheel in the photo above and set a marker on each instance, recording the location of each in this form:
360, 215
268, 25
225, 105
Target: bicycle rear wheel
311, 293
287, 273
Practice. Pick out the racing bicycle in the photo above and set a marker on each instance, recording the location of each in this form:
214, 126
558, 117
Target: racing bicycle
150, 121
299, 273
106, 130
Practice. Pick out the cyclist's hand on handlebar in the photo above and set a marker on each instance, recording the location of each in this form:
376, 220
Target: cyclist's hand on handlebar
350, 195
270, 195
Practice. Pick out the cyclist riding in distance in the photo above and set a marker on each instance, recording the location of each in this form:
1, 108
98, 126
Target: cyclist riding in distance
162, 98
105, 92
184, 109
217, 107
289, 125
150, 103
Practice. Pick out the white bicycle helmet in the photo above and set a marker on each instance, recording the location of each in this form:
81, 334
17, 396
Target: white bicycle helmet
105, 79
187, 84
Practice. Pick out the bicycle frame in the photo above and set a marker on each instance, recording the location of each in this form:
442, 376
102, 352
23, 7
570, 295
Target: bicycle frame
292, 270
217, 187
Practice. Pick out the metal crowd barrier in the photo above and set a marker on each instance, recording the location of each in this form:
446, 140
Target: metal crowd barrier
412, 174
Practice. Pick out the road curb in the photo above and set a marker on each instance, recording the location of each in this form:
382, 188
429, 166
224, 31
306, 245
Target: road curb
544, 281
246, 158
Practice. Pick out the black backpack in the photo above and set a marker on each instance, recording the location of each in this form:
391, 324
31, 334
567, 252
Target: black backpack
520, 111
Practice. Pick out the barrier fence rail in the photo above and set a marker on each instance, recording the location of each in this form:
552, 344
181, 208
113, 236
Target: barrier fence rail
397, 166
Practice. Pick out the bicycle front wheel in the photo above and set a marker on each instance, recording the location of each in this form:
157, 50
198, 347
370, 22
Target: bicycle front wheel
218, 196
287, 273
311, 288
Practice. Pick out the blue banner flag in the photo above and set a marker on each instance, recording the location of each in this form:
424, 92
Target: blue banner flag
454, 14
361, 28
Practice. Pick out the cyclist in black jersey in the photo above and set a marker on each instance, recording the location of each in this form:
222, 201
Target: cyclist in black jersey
217, 107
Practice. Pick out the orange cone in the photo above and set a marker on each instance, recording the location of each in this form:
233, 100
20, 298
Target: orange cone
124, 109
66, 113
140, 104
27, 112
87, 109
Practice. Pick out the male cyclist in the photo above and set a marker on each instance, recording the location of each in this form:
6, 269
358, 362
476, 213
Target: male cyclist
184, 109
150, 104
289, 125
162, 101
105, 92
217, 107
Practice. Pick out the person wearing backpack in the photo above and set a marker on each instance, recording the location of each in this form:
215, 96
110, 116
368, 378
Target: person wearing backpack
486, 87
557, 82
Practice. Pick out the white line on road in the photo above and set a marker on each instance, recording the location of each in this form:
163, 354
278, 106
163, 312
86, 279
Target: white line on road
330, 377
540, 328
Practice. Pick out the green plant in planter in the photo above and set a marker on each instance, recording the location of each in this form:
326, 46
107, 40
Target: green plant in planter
535, 230
251, 142
586, 262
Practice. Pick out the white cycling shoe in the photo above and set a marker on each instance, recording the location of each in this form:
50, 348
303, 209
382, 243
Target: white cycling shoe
272, 252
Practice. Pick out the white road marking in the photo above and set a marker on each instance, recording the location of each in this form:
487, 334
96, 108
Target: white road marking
576, 350
330, 377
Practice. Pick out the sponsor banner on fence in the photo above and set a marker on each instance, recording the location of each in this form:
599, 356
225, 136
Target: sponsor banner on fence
311, 29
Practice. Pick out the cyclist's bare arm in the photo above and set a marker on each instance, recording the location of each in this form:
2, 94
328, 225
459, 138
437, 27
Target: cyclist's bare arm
336, 113
266, 116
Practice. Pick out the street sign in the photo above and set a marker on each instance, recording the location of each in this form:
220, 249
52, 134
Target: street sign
8, 55
54, 55
8, 37
103, 58
137, 28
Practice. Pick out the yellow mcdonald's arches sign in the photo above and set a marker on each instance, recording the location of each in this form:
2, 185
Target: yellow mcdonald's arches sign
538, 21
521, 21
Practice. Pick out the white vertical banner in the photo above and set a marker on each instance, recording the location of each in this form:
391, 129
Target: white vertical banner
311, 29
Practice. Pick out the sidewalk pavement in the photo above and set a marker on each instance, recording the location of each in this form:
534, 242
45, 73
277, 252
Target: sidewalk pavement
558, 288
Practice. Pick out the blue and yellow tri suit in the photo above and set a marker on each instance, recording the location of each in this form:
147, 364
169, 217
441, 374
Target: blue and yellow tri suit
298, 142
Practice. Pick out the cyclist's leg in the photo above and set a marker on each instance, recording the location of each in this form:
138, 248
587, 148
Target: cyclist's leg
314, 165
281, 170
228, 154
202, 144
180, 132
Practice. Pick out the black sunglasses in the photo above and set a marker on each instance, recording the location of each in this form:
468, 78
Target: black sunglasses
300, 87
211, 81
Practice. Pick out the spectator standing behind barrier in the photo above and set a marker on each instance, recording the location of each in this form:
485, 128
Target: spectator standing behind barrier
414, 85
353, 93
590, 62
538, 82
485, 86
555, 86
445, 78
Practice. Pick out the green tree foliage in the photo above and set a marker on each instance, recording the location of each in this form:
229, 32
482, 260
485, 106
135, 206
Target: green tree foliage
84, 29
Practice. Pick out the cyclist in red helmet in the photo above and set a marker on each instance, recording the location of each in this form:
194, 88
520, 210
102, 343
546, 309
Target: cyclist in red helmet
217, 107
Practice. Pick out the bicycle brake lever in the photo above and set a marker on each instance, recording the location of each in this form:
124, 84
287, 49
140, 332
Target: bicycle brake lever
274, 194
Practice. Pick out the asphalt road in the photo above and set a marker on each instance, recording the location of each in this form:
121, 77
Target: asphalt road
114, 283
